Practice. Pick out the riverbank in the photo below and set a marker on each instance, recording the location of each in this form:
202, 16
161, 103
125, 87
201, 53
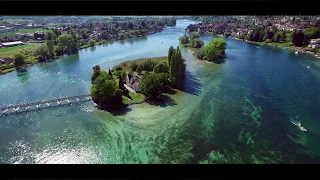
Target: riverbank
10, 68
283, 45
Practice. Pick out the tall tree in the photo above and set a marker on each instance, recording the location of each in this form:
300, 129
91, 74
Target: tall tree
170, 53
121, 85
297, 38
110, 72
50, 46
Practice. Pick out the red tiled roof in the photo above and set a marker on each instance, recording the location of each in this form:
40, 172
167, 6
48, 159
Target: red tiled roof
135, 83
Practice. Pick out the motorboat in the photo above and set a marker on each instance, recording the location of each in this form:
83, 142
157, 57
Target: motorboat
302, 128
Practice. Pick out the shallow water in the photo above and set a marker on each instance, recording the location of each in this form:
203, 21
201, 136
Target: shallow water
235, 112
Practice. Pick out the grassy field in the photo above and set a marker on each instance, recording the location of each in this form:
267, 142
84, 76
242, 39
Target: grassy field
8, 49
32, 30
135, 98
18, 21
27, 50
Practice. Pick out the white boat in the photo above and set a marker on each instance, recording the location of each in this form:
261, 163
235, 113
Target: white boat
296, 52
5, 111
38, 106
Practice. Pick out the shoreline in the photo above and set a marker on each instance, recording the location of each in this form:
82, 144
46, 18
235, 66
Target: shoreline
291, 48
3, 72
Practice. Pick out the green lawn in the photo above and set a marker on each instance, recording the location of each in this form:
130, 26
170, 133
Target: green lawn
17, 21
136, 98
14, 48
32, 30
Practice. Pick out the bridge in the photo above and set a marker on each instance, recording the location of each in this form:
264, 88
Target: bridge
174, 29
37, 105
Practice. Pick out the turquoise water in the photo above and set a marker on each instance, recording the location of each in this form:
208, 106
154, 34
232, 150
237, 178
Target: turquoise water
235, 112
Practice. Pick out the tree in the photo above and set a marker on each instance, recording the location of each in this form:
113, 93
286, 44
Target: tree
152, 85
50, 46
278, 37
177, 69
215, 50
161, 67
104, 91
19, 60
170, 53
197, 43
121, 85
95, 73
297, 38
139, 69
110, 72
133, 66
48, 35
200, 54
148, 65
42, 53
194, 35
310, 33
66, 42
283, 36
123, 75
91, 42
184, 39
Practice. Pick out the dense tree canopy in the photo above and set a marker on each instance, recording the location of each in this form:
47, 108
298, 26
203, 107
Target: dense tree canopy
42, 53
215, 50
297, 38
161, 67
153, 85
105, 91
19, 60
184, 39
197, 43
194, 35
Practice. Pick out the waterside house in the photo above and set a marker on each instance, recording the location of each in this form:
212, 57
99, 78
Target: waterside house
314, 43
133, 82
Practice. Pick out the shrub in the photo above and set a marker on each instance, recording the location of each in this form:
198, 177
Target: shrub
148, 65
139, 69
161, 67
133, 66
200, 53
117, 68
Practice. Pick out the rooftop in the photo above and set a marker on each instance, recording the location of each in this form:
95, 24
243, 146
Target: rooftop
11, 43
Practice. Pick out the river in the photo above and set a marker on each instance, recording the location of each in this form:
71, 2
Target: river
235, 112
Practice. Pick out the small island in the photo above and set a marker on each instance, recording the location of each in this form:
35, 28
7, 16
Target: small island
214, 51
137, 81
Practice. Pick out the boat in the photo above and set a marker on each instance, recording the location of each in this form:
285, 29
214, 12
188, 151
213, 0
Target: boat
296, 52
308, 67
302, 128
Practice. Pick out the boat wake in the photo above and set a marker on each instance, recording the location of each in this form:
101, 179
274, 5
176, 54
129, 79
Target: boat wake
297, 123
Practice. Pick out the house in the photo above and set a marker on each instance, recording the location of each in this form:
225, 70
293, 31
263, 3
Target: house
133, 82
9, 44
314, 43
